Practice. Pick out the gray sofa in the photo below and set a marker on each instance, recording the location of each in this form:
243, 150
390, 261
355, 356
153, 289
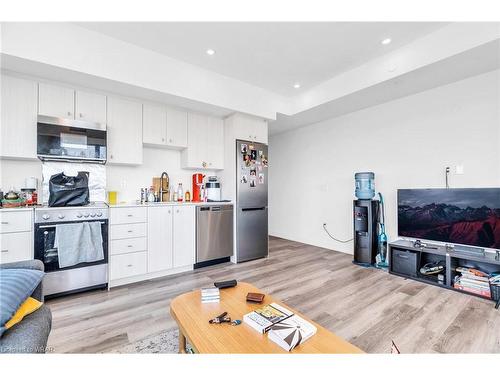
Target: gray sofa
29, 335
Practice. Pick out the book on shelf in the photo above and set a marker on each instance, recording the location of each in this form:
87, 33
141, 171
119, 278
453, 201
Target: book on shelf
263, 318
471, 271
291, 332
484, 293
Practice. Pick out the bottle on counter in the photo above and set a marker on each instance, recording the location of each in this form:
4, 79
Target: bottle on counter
187, 196
180, 193
151, 195
142, 196
174, 196
202, 194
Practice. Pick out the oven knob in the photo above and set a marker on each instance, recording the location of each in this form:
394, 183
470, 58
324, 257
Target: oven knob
60, 216
92, 214
86, 214
79, 215
99, 214
45, 217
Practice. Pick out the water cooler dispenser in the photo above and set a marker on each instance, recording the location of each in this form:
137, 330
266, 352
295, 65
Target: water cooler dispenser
365, 212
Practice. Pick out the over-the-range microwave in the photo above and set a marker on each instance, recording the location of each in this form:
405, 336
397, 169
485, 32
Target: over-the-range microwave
70, 140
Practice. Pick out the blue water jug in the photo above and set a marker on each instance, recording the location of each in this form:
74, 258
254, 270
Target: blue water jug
365, 185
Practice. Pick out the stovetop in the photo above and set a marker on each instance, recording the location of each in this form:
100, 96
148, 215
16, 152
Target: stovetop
92, 211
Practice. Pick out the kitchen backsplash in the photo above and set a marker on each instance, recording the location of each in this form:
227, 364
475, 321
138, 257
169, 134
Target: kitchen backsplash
97, 177
127, 180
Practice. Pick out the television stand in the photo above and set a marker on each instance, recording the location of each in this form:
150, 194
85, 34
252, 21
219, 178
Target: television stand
406, 259
468, 250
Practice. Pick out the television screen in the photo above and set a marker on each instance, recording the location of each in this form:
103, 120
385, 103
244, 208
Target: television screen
459, 216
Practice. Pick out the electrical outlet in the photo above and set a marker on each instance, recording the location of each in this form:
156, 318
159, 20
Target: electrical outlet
123, 184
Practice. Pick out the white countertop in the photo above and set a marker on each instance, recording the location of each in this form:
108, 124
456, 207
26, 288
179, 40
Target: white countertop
23, 208
156, 204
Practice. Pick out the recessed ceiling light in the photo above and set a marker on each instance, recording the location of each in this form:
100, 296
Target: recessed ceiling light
210, 52
386, 41
296, 85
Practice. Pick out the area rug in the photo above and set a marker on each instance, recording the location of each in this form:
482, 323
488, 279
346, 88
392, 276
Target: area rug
164, 342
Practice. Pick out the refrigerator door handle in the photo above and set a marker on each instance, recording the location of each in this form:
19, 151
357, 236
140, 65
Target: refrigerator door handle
254, 209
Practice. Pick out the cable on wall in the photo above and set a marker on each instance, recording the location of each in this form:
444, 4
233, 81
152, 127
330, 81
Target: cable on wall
333, 238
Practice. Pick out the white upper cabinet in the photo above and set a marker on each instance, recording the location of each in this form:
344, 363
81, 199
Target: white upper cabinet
124, 131
215, 139
160, 240
65, 102
205, 143
154, 125
164, 126
177, 128
184, 236
251, 129
18, 120
90, 107
56, 101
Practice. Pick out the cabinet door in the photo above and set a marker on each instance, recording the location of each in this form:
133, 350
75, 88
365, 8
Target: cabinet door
260, 131
124, 131
15, 247
18, 120
195, 156
177, 128
184, 236
160, 228
154, 125
251, 129
90, 107
56, 101
215, 143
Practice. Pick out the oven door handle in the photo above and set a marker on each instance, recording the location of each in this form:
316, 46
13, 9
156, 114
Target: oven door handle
53, 226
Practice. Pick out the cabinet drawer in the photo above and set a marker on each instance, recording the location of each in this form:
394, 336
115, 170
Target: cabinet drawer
128, 245
127, 265
15, 247
15, 221
128, 215
118, 232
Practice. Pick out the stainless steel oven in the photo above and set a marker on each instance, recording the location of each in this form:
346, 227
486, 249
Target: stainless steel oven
71, 140
79, 277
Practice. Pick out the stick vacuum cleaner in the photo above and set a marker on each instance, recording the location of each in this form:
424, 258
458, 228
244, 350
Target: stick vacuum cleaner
382, 237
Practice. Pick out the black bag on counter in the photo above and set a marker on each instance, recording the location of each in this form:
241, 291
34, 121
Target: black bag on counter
69, 190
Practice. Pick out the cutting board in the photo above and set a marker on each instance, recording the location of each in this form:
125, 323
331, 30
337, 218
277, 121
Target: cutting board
156, 187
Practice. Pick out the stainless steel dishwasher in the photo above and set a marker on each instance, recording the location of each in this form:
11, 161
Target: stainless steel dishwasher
214, 234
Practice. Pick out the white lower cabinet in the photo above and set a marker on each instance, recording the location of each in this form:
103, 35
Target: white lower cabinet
15, 247
128, 265
16, 235
163, 243
184, 236
160, 241
128, 256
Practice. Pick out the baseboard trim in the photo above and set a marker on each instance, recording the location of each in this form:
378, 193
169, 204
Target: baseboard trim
148, 276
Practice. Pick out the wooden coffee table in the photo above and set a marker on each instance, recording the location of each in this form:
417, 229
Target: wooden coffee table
192, 317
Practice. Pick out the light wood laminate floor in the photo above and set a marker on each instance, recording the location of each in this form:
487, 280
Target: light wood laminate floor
366, 306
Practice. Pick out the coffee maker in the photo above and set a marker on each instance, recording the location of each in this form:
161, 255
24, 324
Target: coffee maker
197, 184
212, 187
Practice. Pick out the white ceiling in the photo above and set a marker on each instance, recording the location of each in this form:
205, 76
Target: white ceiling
270, 55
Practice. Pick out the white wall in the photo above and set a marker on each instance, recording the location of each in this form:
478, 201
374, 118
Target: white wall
77, 49
127, 180
407, 143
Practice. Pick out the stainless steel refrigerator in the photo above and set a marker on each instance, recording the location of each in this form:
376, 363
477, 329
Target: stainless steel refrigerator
251, 201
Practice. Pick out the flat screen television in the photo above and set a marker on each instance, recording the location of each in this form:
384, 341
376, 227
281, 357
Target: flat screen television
457, 216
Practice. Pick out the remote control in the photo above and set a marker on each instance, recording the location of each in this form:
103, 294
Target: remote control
225, 284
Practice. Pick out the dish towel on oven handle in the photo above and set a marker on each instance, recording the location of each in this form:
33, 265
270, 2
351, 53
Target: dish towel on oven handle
78, 243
